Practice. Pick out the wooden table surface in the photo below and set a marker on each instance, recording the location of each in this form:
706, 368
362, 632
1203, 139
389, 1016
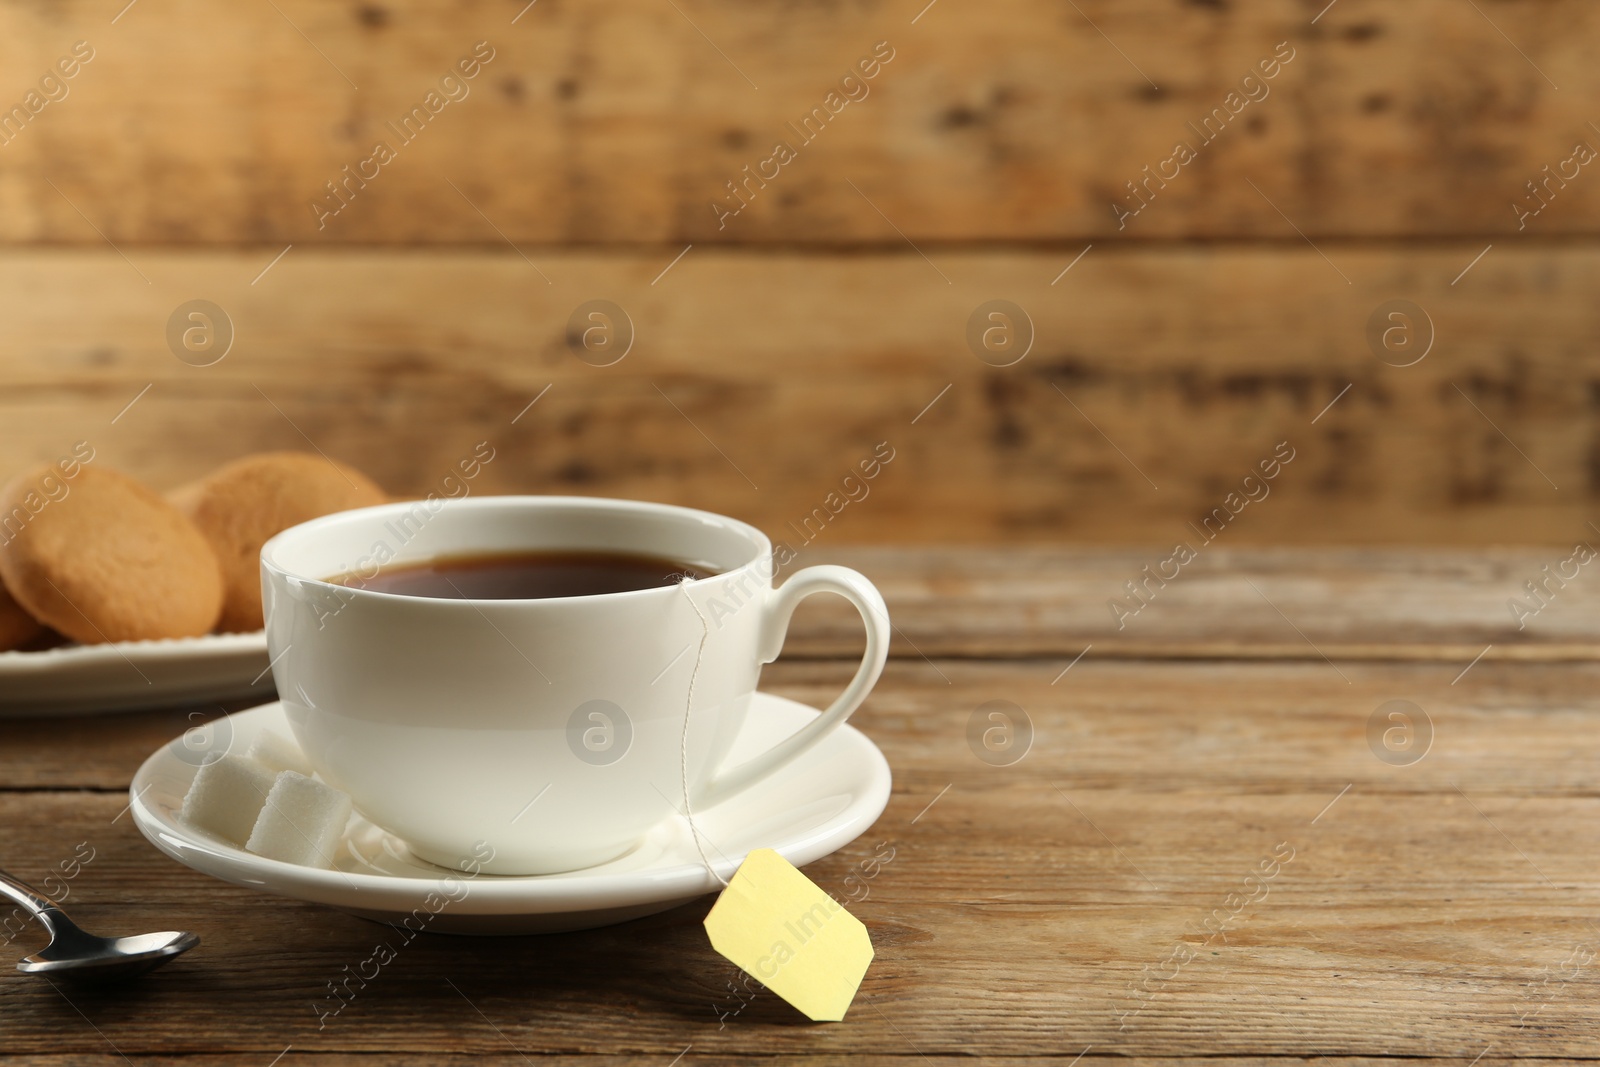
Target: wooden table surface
1201, 854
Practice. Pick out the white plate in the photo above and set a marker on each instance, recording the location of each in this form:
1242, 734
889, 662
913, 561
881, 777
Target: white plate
816, 805
133, 674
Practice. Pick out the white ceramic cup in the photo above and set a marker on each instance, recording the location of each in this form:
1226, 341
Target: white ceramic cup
551, 729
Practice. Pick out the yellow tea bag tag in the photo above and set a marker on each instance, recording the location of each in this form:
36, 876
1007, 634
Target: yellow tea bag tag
774, 923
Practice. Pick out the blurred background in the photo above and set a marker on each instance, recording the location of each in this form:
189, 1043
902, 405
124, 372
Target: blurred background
721, 253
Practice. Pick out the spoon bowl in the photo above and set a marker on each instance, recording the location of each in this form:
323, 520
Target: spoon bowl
87, 957
73, 953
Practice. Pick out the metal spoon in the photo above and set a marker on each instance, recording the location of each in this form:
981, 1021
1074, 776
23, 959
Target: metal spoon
72, 953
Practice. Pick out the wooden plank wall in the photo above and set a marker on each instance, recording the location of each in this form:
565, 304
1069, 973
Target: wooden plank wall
188, 154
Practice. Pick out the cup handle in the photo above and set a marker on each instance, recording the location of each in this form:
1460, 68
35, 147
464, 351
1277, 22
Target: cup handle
855, 588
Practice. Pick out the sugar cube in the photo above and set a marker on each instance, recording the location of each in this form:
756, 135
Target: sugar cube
278, 753
226, 796
302, 821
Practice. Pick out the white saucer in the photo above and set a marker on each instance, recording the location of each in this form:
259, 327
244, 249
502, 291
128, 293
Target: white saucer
821, 802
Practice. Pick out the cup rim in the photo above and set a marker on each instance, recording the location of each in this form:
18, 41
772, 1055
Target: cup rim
311, 527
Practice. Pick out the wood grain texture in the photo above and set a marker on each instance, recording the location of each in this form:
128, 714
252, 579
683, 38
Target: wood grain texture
1018, 907
1436, 605
622, 121
1158, 380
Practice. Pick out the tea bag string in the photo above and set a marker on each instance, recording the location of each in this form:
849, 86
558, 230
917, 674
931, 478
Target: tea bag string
694, 675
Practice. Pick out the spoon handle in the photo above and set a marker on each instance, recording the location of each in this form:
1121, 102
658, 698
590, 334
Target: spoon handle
24, 894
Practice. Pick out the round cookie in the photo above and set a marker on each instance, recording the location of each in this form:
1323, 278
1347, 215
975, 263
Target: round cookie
17, 627
240, 505
100, 557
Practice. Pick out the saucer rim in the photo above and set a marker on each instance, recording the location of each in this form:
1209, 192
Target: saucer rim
506, 895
